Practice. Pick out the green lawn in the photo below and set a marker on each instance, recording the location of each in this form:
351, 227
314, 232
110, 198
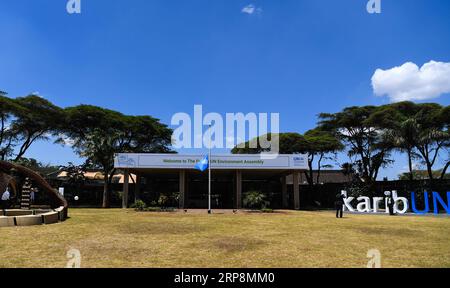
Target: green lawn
124, 238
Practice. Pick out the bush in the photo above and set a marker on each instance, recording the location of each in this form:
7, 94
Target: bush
163, 200
139, 205
158, 209
255, 200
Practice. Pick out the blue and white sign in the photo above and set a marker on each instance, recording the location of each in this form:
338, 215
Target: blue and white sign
218, 162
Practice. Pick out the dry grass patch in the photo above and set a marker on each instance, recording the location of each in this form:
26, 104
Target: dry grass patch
124, 238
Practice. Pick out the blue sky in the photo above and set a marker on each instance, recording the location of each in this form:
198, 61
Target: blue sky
155, 57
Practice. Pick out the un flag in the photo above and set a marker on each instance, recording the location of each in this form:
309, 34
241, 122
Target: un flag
203, 164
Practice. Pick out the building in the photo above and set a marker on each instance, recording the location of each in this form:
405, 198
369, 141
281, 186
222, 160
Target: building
232, 175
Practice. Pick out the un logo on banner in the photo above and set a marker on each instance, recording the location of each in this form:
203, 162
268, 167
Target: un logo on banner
299, 161
126, 160
73, 7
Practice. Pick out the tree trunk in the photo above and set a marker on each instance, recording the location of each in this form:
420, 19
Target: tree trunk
307, 177
105, 191
411, 176
319, 168
444, 171
430, 170
311, 174
137, 190
111, 175
430, 175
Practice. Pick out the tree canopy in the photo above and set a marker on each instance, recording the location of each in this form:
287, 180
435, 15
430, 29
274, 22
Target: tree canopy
97, 134
372, 133
316, 144
368, 134
25, 120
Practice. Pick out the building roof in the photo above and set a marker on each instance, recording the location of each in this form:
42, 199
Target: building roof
98, 176
88, 175
120, 178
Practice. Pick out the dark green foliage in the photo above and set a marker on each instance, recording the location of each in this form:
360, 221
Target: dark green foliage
33, 164
372, 133
317, 144
98, 134
94, 133
255, 200
25, 120
139, 205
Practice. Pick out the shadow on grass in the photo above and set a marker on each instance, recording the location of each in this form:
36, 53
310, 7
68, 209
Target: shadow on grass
401, 232
230, 244
159, 228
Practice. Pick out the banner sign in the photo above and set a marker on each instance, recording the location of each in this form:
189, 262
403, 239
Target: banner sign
219, 162
399, 205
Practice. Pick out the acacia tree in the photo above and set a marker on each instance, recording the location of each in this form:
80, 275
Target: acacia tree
444, 117
290, 143
97, 134
319, 144
37, 119
419, 130
7, 111
433, 135
405, 139
25, 120
400, 129
364, 136
316, 144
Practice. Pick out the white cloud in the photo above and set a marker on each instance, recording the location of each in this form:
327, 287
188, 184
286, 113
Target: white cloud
251, 9
37, 93
409, 82
66, 140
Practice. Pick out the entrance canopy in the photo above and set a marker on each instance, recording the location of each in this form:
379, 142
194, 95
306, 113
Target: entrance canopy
218, 162
230, 176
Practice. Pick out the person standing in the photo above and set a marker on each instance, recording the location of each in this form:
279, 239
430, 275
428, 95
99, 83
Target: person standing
390, 203
5, 200
32, 195
340, 205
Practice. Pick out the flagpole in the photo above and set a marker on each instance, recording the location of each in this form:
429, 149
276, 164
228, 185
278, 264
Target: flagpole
209, 173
